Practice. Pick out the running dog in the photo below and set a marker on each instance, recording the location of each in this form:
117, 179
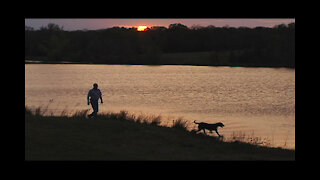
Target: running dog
203, 126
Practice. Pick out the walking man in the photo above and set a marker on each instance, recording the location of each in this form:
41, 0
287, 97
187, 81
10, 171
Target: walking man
94, 95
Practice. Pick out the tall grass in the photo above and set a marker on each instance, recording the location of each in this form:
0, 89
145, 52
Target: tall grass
27, 111
80, 113
122, 115
125, 115
248, 138
180, 123
37, 111
155, 120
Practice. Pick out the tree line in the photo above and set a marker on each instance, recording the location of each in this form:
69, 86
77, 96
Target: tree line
157, 45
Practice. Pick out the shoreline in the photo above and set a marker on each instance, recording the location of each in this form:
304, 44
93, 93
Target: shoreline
88, 63
121, 136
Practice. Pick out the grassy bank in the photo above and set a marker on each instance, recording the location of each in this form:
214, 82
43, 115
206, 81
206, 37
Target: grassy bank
120, 136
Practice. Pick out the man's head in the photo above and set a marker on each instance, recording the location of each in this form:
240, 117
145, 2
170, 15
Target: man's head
95, 86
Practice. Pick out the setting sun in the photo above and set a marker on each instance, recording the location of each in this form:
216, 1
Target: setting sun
142, 28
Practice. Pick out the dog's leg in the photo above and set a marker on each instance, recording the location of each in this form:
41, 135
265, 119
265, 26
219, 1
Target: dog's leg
218, 133
204, 131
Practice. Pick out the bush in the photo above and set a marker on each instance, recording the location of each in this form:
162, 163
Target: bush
180, 124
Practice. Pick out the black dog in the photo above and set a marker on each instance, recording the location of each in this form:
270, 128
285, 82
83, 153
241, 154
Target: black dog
210, 127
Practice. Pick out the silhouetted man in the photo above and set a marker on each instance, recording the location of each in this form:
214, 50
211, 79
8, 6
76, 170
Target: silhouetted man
94, 95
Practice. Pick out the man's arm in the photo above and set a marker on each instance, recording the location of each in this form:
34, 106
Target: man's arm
101, 98
100, 93
88, 98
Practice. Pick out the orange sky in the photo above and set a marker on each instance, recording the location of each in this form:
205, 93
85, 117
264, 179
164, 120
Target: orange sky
92, 24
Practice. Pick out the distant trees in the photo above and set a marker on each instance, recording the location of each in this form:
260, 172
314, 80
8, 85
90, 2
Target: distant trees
178, 27
260, 46
51, 27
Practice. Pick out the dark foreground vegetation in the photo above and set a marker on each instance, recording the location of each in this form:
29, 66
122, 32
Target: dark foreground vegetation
120, 136
177, 44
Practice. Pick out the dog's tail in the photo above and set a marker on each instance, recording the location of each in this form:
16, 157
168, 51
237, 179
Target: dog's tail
195, 122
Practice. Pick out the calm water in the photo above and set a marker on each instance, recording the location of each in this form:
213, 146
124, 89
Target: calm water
254, 101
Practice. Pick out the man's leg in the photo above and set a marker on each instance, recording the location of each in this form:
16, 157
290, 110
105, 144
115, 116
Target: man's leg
94, 105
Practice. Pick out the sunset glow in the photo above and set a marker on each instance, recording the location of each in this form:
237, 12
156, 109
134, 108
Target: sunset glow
142, 28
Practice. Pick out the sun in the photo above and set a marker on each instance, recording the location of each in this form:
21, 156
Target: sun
142, 28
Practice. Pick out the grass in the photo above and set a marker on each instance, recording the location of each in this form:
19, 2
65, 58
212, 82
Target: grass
248, 138
125, 136
180, 124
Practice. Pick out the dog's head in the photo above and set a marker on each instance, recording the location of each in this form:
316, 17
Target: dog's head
220, 124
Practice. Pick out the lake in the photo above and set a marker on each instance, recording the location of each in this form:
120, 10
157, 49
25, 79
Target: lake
257, 102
